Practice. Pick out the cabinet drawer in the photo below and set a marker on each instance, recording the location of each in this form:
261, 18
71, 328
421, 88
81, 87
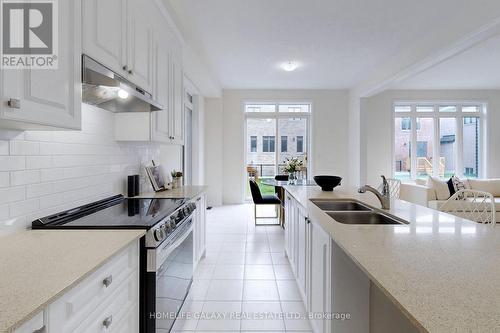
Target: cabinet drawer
72, 308
35, 324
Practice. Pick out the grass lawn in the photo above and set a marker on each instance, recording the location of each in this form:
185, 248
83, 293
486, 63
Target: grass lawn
264, 189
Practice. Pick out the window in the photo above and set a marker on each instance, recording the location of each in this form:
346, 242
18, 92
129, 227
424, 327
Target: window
272, 130
284, 144
268, 144
300, 144
447, 140
253, 144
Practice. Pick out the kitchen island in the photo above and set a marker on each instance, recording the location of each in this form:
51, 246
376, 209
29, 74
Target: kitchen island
438, 273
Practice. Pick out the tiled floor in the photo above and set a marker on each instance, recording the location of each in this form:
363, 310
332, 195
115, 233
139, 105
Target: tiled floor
245, 283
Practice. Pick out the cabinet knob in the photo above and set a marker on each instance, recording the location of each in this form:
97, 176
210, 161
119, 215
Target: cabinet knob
125, 67
107, 322
308, 220
107, 281
130, 71
14, 103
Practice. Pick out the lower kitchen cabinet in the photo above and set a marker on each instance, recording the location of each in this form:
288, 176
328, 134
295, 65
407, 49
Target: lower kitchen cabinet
320, 295
199, 232
107, 300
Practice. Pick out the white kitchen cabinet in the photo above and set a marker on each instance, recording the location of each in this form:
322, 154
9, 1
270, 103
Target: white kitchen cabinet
119, 34
140, 43
200, 228
47, 99
161, 120
104, 33
320, 295
108, 297
177, 105
297, 242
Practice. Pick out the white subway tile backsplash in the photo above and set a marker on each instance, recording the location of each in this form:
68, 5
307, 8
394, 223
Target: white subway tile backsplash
45, 172
12, 194
24, 177
4, 179
24, 207
10, 163
38, 162
4, 147
24, 148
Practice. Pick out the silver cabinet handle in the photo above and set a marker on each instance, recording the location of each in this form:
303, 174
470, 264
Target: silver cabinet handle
107, 281
308, 220
14, 103
40, 330
107, 322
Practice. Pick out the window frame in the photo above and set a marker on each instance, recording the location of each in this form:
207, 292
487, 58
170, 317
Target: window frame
459, 117
284, 140
268, 139
252, 141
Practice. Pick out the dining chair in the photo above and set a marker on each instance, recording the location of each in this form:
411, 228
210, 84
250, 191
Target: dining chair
259, 199
474, 205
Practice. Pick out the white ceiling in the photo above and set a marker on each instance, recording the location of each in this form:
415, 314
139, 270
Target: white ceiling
476, 68
337, 42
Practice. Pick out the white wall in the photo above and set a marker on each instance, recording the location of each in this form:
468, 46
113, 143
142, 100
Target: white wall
376, 127
214, 150
42, 173
329, 135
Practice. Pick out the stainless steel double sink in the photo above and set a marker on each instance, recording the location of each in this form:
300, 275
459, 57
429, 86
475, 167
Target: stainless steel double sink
349, 211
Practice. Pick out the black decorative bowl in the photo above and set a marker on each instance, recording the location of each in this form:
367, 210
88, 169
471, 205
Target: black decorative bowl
327, 183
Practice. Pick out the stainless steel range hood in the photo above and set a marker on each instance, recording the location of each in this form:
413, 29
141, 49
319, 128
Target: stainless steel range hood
107, 90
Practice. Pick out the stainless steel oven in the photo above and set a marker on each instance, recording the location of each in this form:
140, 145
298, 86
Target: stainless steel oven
168, 277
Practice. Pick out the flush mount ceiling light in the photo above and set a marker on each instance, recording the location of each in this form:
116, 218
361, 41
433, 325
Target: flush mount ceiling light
289, 66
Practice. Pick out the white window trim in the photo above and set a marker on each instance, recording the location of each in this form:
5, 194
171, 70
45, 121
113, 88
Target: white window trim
436, 115
277, 115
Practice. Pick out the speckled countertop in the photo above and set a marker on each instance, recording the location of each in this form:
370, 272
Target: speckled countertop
182, 192
442, 271
39, 266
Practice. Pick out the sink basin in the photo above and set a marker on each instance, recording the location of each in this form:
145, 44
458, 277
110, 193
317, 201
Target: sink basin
364, 218
338, 205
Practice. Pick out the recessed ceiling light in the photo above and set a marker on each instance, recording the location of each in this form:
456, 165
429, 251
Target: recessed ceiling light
289, 66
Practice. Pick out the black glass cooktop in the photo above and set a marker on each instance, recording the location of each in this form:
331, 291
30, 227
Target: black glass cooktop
114, 212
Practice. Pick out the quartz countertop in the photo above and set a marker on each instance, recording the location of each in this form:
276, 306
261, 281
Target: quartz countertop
39, 266
188, 192
441, 271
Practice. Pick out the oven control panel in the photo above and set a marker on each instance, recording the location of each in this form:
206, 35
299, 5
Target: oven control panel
158, 233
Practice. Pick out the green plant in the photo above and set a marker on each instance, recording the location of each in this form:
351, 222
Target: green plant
176, 174
292, 164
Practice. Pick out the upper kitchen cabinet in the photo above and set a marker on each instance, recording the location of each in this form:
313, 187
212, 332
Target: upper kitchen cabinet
118, 34
177, 94
47, 98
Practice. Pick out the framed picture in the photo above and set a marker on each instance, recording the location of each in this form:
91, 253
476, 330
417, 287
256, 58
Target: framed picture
156, 178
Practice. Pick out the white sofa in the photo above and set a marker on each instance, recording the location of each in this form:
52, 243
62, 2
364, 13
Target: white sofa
432, 195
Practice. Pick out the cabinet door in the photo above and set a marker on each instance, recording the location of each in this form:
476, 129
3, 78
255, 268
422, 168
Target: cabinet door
161, 119
303, 250
140, 44
104, 32
320, 276
48, 97
177, 101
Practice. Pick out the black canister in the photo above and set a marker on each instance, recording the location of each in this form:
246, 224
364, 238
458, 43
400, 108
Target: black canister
131, 186
136, 185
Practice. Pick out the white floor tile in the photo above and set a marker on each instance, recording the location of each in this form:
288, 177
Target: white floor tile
262, 316
255, 290
279, 258
225, 290
258, 258
283, 272
259, 272
204, 271
297, 320
288, 290
220, 316
233, 247
198, 291
257, 247
229, 271
230, 258
187, 318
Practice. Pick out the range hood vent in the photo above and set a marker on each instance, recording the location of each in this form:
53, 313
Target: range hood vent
105, 89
